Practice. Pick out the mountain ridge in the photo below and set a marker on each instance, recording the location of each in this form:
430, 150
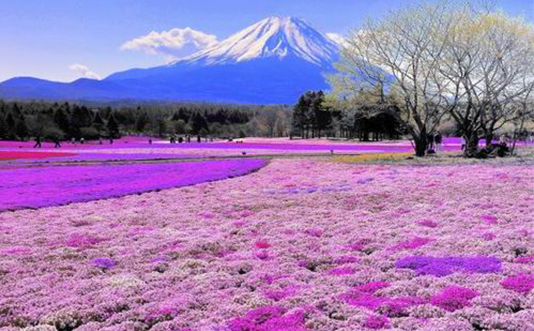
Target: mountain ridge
270, 62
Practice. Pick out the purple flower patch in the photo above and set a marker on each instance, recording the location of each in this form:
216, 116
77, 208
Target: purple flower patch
427, 265
104, 263
52, 186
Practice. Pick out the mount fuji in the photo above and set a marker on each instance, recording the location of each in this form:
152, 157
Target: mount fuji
270, 62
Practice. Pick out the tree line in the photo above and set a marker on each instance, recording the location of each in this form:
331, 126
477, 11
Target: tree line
50, 121
314, 117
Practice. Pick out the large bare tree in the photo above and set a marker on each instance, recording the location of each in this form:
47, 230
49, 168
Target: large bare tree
401, 54
442, 58
490, 62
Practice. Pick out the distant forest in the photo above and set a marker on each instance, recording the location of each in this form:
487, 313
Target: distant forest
309, 118
26, 120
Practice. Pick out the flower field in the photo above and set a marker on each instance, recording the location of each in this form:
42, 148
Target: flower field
51, 186
135, 148
301, 244
17, 155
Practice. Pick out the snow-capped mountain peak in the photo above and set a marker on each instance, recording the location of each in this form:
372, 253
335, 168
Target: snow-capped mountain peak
273, 37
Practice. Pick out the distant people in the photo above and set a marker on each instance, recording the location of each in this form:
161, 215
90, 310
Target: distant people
438, 140
180, 139
430, 140
150, 141
110, 140
73, 141
503, 140
188, 138
57, 143
100, 140
199, 139
172, 139
37, 142
464, 143
82, 140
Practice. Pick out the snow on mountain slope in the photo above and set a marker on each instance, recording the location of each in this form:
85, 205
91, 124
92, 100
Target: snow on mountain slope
278, 37
271, 62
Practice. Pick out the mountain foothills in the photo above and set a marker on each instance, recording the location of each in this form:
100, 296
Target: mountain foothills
271, 62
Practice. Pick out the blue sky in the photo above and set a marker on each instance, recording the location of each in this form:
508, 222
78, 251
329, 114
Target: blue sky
66, 39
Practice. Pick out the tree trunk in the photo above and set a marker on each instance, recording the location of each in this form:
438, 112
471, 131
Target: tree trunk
421, 146
472, 145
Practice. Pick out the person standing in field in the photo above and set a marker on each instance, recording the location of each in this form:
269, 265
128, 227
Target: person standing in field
37, 142
438, 139
82, 140
464, 143
57, 143
430, 139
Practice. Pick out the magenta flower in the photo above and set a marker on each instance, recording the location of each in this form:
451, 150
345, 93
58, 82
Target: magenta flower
489, 219
453, 298
522, 283
376, 322
525, 259
262, 244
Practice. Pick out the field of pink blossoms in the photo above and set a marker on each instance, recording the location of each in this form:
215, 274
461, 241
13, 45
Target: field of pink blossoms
138, 148
301, 244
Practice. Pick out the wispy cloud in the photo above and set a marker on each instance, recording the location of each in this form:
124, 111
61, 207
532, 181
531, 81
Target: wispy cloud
84, 71
337, 38
173, 44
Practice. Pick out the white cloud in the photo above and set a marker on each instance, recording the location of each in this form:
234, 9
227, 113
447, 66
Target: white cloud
173, 44
84, 71
337, 38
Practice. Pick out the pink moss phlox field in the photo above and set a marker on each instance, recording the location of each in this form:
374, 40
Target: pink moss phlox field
244, 254
50, 186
